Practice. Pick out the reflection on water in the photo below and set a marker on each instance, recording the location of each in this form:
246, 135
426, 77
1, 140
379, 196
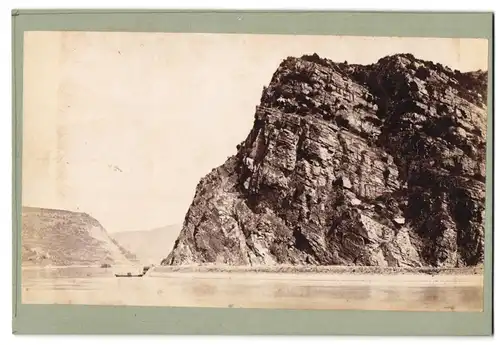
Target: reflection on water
67, 272
336, 292
470, 293
204, 289
431, 294
98, 286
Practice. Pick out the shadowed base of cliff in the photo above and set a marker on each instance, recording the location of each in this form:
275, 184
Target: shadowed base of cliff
303, 269
283, 287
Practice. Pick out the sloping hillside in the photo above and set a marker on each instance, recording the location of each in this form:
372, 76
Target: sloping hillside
58, 237
149, 245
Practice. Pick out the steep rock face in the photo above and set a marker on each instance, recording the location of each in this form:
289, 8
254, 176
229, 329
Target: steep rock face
350, 165
59, 237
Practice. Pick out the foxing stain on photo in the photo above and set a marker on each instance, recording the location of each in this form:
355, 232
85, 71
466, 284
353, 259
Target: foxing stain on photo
254, 171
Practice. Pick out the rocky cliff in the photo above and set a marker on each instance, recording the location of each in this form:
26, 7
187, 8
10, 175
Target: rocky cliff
377, 165
62, 238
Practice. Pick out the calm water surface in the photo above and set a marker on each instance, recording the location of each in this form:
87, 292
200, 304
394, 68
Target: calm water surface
255, 290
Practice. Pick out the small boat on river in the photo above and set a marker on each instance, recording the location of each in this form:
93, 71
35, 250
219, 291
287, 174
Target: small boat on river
130, 275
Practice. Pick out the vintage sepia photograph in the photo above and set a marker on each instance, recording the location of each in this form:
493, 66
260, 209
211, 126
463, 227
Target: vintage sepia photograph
254, 171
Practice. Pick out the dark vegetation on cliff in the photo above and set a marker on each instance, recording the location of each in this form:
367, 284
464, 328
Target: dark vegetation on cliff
377, 165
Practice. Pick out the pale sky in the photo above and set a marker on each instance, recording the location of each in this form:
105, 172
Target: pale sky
123, 125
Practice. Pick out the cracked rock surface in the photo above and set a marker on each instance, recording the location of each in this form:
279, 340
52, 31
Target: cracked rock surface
377, 165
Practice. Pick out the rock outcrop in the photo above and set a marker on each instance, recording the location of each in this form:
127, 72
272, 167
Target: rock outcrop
378, 165
65, 238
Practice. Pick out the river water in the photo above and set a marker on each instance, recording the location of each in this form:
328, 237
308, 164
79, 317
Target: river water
255, 290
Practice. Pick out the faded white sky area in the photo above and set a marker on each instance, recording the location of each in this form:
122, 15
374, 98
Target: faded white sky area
123, 125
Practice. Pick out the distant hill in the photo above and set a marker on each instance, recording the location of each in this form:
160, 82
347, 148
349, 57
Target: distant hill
58, 237
149, 245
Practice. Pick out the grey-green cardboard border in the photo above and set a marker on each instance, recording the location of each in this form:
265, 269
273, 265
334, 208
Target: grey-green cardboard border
80, 319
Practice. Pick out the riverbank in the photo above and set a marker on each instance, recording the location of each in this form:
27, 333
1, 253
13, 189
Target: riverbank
359, 270
344, 270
